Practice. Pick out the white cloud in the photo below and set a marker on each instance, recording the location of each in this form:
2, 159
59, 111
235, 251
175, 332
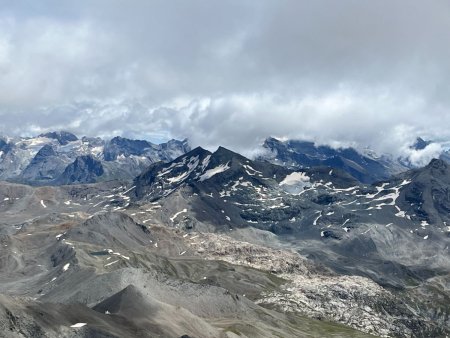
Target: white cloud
424, 156
229, 73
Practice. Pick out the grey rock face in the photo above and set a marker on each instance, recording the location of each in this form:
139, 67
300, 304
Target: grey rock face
120, 146
427, 197
85, 169
420, 144
63, 137
42, 160
45, 167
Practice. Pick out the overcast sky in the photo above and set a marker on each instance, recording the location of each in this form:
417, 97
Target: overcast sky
230, 73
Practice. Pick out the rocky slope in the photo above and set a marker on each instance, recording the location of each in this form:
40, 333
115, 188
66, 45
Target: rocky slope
76, 263
232, 247
371, 231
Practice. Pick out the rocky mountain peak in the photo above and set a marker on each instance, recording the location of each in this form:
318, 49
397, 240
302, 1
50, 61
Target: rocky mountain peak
196, 151
224, 155
85, 169
63, 137
123, 146
437, 164
45, 151
420, 144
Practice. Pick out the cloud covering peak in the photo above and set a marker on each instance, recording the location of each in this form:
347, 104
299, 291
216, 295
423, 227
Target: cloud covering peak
228, 73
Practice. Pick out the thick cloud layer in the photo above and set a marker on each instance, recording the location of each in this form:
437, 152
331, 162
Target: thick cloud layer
361, 73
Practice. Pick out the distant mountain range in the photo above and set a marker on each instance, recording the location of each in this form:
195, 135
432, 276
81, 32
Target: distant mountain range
57, 158
366, 167
62, 158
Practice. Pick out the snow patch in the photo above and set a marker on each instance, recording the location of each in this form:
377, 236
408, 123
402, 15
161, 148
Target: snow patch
177, 214
320, 215
400, 213
205, 162
112, 263
178, 178
128, 190
77, 325
295, 182
249, 168
211, 172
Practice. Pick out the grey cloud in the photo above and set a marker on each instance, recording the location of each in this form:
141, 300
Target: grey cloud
230, 73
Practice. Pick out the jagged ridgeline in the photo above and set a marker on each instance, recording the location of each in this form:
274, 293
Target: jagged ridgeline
57, 158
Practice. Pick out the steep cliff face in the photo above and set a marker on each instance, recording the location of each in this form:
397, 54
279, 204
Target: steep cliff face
85, 169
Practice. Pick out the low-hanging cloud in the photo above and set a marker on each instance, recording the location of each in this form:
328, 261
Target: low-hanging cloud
229, 73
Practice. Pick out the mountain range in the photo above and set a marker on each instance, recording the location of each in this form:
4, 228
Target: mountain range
366, 166
61, 157
303, 241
